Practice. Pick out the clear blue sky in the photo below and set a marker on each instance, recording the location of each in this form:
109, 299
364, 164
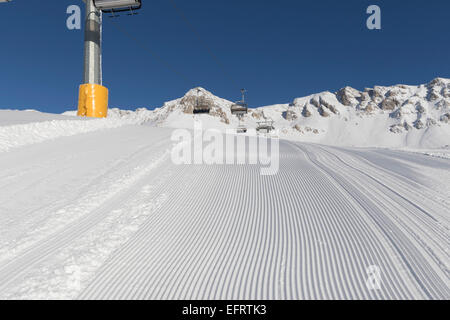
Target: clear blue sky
278, 50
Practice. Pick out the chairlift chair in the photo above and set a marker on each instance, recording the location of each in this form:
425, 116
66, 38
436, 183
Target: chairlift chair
266, 126
240, 108
241, 129
114, 6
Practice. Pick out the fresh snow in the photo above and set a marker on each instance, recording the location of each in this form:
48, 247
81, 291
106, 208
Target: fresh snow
21, 130
96, 209
15, 117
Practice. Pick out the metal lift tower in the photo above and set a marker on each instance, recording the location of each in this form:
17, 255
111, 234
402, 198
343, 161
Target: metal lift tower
93, 96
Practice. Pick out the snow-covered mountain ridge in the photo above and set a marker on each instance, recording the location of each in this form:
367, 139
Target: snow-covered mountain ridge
400, 115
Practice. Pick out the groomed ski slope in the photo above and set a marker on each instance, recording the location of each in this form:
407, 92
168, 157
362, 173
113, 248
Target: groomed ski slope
107, 215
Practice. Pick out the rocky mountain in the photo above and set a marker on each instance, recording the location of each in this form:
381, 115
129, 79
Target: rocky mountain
413, 106
380, 116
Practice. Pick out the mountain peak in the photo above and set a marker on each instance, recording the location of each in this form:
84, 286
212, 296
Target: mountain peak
197, 91
442, 82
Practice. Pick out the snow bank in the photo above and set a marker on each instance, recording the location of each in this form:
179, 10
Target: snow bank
14, 117
25, 134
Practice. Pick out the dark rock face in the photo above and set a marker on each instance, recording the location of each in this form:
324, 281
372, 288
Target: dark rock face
390, 104
329, 106
258, 115
315, 102
406, 126
443, 104
348, 96
218, 112
322, 112
290, 115
397, 114
445, 118
370, 108
305, 112
445, 92
323, 107
433, 95
396, 128
420, 108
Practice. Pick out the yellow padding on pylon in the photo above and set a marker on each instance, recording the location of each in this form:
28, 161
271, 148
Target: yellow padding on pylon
93, 101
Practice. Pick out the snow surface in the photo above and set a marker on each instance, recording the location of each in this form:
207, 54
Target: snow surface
22, 128
14, 117
95, 209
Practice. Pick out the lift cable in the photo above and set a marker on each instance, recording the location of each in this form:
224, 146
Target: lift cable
204, 44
